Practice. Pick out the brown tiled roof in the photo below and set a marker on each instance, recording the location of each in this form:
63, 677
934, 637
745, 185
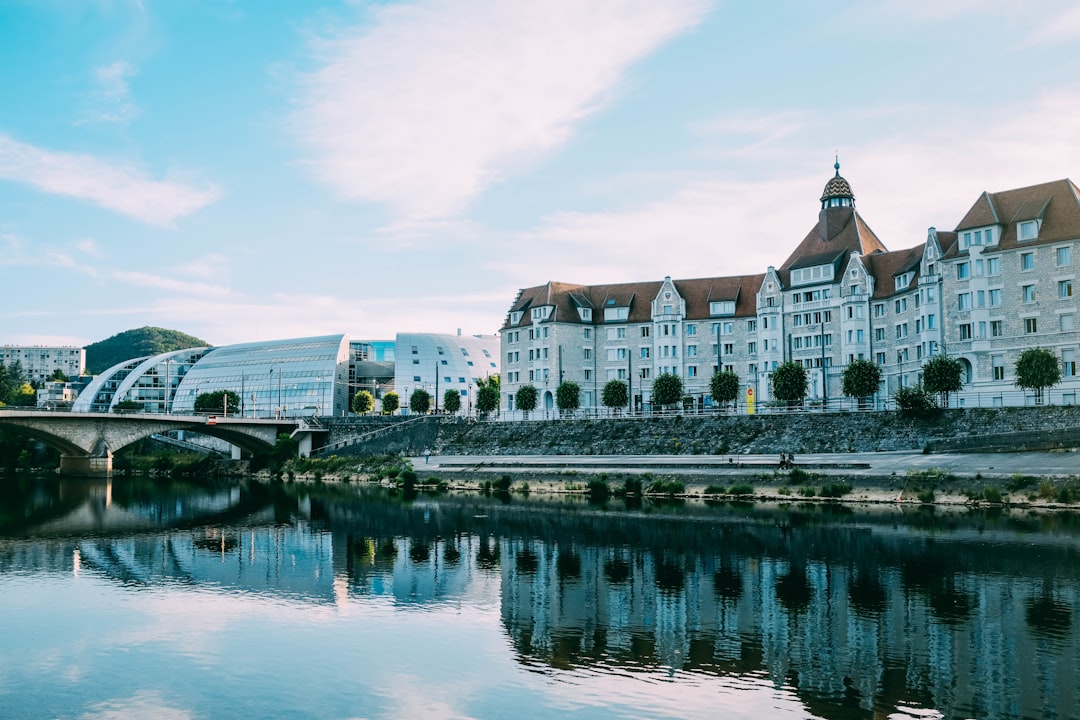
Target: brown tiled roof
886, 266
847, 233
699, 292
1057, 203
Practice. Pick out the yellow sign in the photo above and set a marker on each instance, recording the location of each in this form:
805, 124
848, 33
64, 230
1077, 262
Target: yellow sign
749, 401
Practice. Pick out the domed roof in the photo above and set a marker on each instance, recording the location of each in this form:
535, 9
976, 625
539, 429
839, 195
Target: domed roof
837, 187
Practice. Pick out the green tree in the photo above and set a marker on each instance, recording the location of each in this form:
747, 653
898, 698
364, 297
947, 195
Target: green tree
487, 394
526, 399
667, 389
391, 401
420, 401
862, 378
943, 375
789, 382
615, 394
6, 386
362, 402
58, 376
451, 401
1037, 369
568, 396
24, 396
724, 387
215, 402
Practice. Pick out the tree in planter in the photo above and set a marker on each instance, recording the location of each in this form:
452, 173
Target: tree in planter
667, 389
862, 378
615, 394
451, 401
789, 382
218, 401
1037, 369
487, 394
724, 387
526, 399
58, 376
568, 396
391, 401
943, 375
420, 401
362, 402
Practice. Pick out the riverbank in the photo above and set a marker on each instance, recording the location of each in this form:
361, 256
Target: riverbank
1042, 479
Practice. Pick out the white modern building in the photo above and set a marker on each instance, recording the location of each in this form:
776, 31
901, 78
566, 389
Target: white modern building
437, 363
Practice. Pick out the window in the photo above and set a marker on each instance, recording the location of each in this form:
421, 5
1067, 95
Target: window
691, 371
691, 329
751, 325
1027, 261
645, 331
416, 378
901, 330
1064, 256
1031, 325
1028, 292
588, 374
993, 266
1065, 288
1029, 230
1066, 322
997, 328
588, 353
691, 351
982, 329
879, 310
963, 271
997, 362
588, 333
724, 307
903, 280
964, 301
1068, 363
586, 314
616, 333
880, 358
729, 348
879, 334
645, 353
751, 348
995, 298
901, 306
965, 331
645, 372
810, 274
614, 314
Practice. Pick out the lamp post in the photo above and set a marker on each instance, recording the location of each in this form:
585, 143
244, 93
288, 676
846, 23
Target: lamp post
168, 382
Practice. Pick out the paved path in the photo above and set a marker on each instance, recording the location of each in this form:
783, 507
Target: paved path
875, 464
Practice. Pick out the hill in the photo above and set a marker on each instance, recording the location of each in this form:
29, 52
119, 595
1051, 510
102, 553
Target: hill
131, 344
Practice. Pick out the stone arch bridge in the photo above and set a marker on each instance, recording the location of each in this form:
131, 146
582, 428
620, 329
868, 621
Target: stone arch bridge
87, 441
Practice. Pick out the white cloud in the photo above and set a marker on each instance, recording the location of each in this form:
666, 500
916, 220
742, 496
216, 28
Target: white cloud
114, 186
431, 102
172, 285
112, 96
906, 166
1060, 27
88, 246
143, 704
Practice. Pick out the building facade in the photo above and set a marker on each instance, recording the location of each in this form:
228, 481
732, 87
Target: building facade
437, 363
40, 362
1003, 281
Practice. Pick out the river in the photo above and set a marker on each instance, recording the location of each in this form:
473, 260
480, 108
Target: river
136, 598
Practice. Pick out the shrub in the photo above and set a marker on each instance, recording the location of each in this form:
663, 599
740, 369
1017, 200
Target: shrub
715, 490
835, 489
915, 400
669, 487
992, 494
502, 484
1018, 482
926, 497
741, 489
632, 486
798, 476
807, 491
599, 491
1064, 495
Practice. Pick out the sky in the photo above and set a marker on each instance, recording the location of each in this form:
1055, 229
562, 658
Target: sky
248, 170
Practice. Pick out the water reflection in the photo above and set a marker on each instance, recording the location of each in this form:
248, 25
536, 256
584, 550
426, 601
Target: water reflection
862, 614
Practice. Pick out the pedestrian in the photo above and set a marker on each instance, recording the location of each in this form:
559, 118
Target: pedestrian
427, 455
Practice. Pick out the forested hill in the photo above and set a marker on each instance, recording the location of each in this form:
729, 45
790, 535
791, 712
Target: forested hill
131, 344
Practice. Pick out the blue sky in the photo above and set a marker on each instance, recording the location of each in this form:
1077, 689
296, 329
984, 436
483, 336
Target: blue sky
257, 170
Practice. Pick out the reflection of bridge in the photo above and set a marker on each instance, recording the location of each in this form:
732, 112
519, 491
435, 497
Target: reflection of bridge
87, 441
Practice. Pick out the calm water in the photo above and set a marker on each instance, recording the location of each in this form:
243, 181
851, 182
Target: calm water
132, 599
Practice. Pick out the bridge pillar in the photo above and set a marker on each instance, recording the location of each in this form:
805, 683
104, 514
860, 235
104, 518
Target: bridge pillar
83, 466
304, 445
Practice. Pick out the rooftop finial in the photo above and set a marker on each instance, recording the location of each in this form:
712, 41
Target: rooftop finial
836, 165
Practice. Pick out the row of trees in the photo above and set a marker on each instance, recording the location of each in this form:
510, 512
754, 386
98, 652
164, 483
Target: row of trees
15, 389
1036, 369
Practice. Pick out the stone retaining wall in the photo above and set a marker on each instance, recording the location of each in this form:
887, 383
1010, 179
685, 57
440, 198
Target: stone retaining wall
958, 430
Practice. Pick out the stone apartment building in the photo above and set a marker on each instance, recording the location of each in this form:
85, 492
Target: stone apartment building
1001, 282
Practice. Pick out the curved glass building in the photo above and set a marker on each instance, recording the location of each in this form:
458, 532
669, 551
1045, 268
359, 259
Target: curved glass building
275, 378
98, 395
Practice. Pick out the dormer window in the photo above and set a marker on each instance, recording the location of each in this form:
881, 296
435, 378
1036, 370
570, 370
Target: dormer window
1029, 230
614, 314
585, 313
541, 313
515, 317
723, 307
816, 273
903, 280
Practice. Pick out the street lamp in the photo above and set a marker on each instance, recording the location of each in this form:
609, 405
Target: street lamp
168, 382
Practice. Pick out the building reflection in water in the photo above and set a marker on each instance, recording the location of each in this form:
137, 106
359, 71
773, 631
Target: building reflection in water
859, 614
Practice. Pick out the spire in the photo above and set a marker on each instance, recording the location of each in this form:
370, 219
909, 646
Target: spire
837, 191
836, 164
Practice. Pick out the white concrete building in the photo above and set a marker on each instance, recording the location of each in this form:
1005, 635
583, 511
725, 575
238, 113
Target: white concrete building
437, 363
39, 362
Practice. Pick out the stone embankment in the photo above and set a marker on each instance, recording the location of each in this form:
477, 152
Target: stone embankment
960, 430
